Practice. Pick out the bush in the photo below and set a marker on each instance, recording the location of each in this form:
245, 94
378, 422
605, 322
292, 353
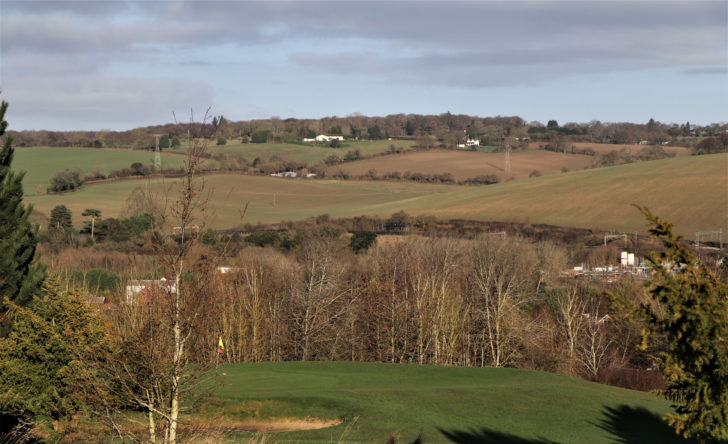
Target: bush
210, 237
260, 136
164, 142
336, 143
362, 241
65, 180
483, 179
535, 173
263, 238
221, 141
352, 155
711, 145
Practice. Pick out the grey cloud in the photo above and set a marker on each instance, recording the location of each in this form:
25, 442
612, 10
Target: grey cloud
102, 100
709, 70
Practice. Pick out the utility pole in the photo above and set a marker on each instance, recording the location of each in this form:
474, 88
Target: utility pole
157, 155
508, 158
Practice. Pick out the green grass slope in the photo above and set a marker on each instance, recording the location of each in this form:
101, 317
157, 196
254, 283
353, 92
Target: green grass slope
306, 152
40, 163
446, 404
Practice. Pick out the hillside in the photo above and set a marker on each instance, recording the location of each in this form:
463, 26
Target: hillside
446, 404
467, 164
690, 191
40, 163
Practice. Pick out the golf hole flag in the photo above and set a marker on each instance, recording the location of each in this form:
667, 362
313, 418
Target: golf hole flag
220, 346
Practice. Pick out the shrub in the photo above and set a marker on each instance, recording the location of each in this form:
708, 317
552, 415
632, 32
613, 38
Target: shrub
362, 241
221, 141
535, 173
65, 180
260, 136
263, 238
483, 179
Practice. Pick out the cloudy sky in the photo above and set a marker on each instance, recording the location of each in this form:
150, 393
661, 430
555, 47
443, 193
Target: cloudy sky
118, 65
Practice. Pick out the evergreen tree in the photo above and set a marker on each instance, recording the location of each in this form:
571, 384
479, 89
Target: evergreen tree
61, 226
44, 360
20, 278
694, 319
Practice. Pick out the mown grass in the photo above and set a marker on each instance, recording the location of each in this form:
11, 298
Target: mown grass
404, 400
690, 191
40, 163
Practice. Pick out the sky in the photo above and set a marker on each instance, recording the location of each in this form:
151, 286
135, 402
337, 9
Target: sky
118, 65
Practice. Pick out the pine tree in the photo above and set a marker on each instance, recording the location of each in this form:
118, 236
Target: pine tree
44, 360
60, 226
694, 320
20, 278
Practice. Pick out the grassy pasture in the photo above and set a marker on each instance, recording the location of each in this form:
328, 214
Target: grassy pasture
604, 148
466, 164
308, 153
40, 163
270, 199
470, 404
690, 191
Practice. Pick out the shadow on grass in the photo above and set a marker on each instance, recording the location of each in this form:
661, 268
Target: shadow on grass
629, 425
488, 436
625, 425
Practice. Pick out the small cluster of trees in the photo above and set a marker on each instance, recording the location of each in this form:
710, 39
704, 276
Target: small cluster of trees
72, 179
711, 145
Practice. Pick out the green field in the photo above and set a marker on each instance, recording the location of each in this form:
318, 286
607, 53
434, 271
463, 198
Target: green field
690, 191
474, 405
40, 163
308, 153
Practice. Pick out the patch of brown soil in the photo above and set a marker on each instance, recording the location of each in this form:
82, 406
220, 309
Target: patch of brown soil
267, 425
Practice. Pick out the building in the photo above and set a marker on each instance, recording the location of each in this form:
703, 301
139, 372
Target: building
324, 138
141, 290
469, 143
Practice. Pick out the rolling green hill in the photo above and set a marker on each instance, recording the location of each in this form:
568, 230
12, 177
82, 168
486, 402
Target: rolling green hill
446, 404
305, 152
690, 191
40, 163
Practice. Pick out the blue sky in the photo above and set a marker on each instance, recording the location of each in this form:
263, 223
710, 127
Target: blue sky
119, 65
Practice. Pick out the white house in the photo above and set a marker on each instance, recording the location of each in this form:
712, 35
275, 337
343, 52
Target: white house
324, 138
472, 142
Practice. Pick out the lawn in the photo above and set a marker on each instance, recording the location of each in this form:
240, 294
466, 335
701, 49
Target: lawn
445, 404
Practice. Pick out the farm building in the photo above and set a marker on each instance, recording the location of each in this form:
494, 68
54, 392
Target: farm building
138, 290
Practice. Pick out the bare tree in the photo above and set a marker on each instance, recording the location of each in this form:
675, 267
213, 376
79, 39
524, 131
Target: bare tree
501, 274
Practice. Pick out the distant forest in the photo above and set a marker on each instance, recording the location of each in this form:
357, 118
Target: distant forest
446, 129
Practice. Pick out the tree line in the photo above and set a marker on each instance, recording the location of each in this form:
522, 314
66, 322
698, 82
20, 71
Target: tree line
448, 128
